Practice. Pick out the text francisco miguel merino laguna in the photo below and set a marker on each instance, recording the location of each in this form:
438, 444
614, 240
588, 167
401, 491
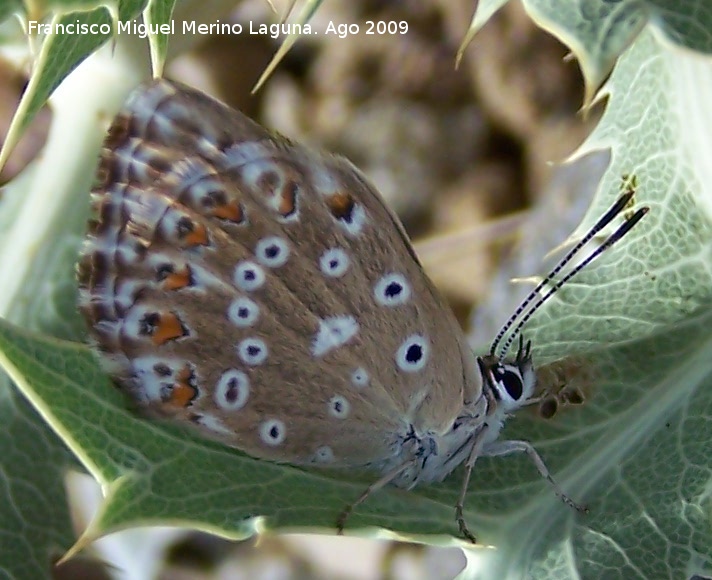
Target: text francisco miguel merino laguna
185, 27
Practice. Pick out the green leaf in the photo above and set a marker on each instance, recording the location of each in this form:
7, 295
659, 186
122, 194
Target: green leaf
35, 524
8, 8
60, 54
308, 10
158, 473
484, 10
43, 215
636, 325
598, 32
36, 265
156, 14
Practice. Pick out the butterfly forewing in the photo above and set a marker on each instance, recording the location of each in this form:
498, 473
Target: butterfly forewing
262, 291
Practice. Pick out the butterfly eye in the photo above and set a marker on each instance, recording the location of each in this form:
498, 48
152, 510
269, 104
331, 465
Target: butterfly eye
512, 383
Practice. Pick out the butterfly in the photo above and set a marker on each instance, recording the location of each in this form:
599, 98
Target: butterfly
264, 293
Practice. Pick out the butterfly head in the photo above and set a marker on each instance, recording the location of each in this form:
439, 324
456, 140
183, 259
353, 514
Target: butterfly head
511, 384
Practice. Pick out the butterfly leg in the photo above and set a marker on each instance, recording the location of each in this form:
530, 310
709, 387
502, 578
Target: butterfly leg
459, 506
385, 480
475, 452
500, 448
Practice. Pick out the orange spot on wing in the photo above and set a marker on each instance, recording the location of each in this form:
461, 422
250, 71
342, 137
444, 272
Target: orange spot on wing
178, 280
230, 211
341, 205
182, 395
288, 200
197, 237
183, 392
168, 327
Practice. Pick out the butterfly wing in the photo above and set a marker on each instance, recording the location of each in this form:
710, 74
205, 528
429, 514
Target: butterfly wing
262, 291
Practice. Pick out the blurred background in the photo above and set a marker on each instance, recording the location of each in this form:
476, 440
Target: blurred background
468, 158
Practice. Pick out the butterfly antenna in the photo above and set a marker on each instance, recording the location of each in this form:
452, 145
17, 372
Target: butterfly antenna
610, 241
603, 221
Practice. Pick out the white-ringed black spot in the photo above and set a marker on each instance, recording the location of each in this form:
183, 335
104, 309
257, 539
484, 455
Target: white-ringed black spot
324, 454
334, 262
339, 407
391, 290
249, 276
272, 431
232, 390
272, 251
243, 312
413, 353
252, 351
360, 378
